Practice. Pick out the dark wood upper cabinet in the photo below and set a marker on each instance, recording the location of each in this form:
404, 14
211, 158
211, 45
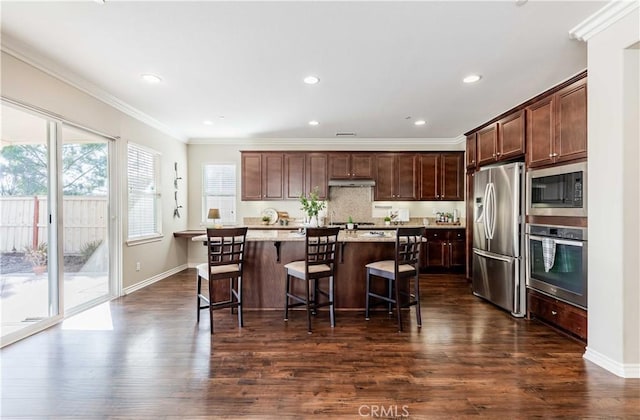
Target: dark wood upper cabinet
511, 136
262, 176
294, 175
272, 176
504, 139
452, 173
396, 176
351, 165
429, 176
442, 176
557, 126
251, 175
471, 151
316, 174
571, 122
487, 141
540, 132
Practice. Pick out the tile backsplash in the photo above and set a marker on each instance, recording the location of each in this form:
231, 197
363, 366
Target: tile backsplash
356, 202
349, 201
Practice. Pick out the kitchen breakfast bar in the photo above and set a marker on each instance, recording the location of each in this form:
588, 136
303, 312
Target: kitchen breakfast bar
268, 250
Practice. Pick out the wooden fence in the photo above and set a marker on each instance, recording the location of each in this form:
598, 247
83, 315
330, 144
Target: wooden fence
23, 222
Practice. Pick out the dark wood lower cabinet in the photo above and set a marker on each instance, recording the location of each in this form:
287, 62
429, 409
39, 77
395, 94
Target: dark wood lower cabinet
561, 315
444, 251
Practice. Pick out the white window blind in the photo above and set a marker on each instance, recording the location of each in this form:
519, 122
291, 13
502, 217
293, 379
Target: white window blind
143, 173
219, 192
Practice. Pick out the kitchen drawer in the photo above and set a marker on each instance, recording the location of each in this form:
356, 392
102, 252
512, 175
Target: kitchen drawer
436, 234
559, 314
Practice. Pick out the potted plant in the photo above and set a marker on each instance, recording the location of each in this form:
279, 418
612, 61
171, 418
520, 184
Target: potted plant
387, 220
311, 205
38, 257
266, 220
350, 223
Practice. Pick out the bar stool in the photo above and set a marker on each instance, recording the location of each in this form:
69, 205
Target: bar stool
225, 253
319, 263
403, 267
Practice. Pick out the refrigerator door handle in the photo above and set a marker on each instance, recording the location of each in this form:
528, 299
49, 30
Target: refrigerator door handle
492, 256
485, 210
492, 207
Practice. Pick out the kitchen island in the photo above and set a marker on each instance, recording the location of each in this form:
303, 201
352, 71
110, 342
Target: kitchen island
269, 250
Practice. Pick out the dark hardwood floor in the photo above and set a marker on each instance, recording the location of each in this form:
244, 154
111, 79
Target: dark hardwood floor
470, 359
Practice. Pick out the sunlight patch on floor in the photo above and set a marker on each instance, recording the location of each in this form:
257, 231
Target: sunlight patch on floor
94, 319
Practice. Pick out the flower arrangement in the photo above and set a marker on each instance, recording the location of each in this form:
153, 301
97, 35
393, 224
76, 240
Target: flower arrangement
311, 204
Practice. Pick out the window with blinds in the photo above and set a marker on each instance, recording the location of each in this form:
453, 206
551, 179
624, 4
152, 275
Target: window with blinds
143, 174
219, 192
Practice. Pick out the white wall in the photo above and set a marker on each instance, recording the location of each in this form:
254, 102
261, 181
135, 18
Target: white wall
27, 84
614, 233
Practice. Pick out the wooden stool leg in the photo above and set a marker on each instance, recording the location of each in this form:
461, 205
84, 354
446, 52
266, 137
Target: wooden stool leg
198, 298
366, 302
398, 306
417, 293
239, 291
308, 307
286, 297
332, 306
210, 302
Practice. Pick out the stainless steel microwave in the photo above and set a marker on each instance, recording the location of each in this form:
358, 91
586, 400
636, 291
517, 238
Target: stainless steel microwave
558, 191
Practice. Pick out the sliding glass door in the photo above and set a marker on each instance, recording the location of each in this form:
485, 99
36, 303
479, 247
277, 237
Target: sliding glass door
28, 287
56, 233
85, 209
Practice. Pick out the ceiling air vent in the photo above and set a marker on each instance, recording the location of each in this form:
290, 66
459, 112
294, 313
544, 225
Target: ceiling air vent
345, 134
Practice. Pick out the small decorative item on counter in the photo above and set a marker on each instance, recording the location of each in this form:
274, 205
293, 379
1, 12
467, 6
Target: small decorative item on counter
350, 223
387, 221
311, 205
266, 220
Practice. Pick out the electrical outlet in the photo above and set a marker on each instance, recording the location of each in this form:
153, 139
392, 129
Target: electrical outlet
138, 266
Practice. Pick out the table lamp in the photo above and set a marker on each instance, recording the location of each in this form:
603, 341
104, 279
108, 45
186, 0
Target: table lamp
215, 215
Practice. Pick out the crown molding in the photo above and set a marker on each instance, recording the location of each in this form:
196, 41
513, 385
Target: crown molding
603, 18
368, 144
24, 53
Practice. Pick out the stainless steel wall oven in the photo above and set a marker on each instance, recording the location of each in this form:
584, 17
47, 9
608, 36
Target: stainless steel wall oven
557, 262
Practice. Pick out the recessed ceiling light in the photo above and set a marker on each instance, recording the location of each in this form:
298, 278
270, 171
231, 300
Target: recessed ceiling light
313, 122
472, 78
151, 78
420, 122
311, 80
207, 122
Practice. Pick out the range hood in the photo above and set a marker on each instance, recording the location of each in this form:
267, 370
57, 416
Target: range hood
352, 183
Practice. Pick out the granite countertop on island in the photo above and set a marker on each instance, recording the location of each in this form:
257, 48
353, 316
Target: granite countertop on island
276, 232
280, 235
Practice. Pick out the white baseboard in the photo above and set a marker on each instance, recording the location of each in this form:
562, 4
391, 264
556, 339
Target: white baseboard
193, 264
624, 370
153, 279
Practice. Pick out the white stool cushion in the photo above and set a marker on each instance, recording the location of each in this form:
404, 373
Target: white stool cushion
296, 268
389, 266
203, 269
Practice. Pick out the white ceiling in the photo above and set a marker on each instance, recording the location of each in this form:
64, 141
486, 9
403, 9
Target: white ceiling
378, 62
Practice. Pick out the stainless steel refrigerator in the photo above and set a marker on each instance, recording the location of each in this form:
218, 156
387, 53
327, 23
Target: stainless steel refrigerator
498, 237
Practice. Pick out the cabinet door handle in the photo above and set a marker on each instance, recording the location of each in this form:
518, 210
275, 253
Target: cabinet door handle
550, 154
498, 154
554, 313
554, 154
494, 155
